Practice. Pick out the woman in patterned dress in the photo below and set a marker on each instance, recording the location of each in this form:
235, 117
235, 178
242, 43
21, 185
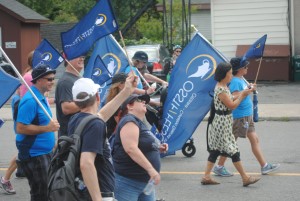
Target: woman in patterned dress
221, 140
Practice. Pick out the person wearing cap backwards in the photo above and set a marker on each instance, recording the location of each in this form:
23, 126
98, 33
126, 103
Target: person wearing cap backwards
95, 158
136, 152
35, 137
243, 125
65, 107
140, 59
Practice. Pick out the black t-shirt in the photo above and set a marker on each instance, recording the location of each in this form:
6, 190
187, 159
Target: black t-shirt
63, 93
148, 145
94, 140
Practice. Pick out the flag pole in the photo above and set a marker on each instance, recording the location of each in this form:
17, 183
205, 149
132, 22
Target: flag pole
141, 76
258, 70
73, 67
24, 82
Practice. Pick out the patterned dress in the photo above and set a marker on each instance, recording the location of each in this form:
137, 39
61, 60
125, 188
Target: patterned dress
220, 136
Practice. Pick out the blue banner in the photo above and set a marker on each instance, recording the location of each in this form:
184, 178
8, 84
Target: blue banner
113, 57
188, 99
99, 22
45, 53
9, 85
256, 50
100, 73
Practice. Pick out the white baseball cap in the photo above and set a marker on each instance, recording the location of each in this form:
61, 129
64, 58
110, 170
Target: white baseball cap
84, 85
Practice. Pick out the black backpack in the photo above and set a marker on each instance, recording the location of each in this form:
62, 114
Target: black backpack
64, 166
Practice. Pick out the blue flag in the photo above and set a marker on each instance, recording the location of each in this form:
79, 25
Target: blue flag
99, 22
100, 73
113, 57
45, 53
256, 50
9, 85
188, 99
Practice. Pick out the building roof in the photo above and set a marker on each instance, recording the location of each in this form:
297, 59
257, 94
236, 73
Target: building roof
21, 12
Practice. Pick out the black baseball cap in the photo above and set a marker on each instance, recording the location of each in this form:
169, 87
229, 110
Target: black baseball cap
134, 97
140, 56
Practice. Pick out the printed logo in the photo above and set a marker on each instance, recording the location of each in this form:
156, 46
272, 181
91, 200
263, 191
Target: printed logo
47, 56
100, 20
112, 62
206, 66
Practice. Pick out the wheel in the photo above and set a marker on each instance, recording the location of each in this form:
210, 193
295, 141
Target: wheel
189, 149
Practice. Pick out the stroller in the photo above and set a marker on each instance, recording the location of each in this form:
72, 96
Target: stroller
154, 116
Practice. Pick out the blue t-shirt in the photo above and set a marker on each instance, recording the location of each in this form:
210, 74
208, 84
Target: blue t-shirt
148, 145
93, 139
128, 69
245, 108
29, 110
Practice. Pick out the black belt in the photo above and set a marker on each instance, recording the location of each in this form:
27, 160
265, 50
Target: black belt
107, 194
220, 112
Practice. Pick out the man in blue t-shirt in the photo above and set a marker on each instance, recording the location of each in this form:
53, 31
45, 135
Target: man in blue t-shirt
243, 125
95, 159
35, 133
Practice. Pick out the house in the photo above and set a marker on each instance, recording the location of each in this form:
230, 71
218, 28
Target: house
236, 24
19, 31
201, 18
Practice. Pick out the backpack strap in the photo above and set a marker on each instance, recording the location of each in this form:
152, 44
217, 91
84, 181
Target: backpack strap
83, 123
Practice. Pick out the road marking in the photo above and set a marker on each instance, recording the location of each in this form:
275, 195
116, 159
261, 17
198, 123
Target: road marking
250, 173
201, 173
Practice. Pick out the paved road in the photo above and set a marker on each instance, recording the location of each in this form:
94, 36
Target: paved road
181, 175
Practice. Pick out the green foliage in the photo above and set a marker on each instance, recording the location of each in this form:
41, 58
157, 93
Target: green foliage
148, 29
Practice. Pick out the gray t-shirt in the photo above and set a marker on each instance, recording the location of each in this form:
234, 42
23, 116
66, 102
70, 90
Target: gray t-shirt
63, 93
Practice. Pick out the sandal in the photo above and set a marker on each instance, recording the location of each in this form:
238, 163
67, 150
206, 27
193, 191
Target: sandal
209, 181
250, 180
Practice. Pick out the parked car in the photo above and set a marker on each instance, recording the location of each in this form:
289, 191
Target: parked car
157, 56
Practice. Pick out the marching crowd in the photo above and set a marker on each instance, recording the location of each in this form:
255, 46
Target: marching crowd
123, 169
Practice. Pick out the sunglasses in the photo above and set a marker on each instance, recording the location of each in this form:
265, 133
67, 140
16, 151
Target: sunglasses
178, 51
139, 100
50, 79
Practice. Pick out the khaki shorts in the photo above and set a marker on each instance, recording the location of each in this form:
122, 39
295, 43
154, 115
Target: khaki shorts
242, 126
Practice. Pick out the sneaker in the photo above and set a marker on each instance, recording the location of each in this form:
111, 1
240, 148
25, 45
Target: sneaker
7, 187
269, 168
223, 172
